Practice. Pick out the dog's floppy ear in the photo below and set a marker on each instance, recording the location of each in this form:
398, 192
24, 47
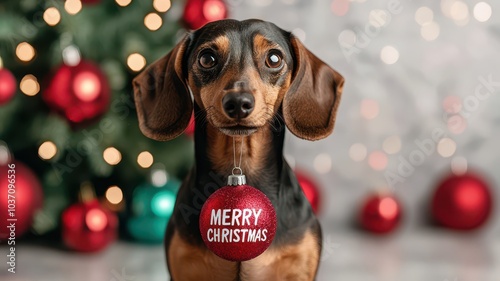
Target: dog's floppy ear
310, 105
162, 99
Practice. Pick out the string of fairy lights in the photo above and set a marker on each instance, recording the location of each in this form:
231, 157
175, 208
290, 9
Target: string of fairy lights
30, 86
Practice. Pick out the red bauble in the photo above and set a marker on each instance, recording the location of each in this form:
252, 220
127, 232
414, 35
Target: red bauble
88, 227
25, 189
238, 223
310, 190
8, 86
197, 13
79, 93
380, 213
190, 128
462, 202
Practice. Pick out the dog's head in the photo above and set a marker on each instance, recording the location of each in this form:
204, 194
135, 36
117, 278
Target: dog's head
242, 73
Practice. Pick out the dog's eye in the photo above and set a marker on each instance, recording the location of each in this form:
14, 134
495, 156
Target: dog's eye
207, 60
273, 59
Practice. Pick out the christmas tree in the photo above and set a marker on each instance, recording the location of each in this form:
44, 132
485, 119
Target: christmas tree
69, 115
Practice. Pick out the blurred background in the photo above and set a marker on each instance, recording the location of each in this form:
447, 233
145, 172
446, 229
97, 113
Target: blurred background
405, 187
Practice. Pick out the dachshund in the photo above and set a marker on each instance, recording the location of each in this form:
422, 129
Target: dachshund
242, 78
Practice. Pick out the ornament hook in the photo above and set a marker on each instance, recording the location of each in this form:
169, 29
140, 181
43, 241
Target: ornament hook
237, 177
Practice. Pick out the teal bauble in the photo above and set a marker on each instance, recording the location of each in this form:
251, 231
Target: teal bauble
152, 207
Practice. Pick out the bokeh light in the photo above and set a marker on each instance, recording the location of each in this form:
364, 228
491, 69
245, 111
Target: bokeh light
73, 7
446, 7
145, 159
71, 55
29, 85
347, 38
459, 11
378, 18
389, 55
5, 156
112, 156
378, 160
124, 3
114, 195
446, 147
25, 52
340, 7
162, 5
452, 104
153, 21
482, 11
136, 62
214, 10
52, 16
159, 177
424, 15
430, 31
392, 145
47, 150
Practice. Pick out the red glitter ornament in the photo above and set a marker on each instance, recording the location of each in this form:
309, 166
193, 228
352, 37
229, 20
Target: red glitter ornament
310, 190
88, 227
197, 13
380, 213
238, 223
462, 202
8, 86
18, 181
80, 93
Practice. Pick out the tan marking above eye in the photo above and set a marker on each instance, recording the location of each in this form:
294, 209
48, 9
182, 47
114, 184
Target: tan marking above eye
261, 45
220, 43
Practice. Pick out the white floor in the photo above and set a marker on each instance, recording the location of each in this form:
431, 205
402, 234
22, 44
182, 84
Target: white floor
428, 255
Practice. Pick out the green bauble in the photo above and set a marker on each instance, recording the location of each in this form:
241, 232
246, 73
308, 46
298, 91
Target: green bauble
152, 207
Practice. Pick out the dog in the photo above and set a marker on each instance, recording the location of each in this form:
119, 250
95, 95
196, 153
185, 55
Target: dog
242, 78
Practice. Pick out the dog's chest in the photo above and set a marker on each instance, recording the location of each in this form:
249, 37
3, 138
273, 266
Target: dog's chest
292, 262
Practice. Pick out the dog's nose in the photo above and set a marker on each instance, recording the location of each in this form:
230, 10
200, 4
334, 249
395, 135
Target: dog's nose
238, 105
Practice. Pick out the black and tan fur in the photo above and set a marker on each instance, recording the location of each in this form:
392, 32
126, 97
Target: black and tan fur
303, 93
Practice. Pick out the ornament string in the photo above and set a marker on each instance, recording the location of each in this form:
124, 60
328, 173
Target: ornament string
237, 167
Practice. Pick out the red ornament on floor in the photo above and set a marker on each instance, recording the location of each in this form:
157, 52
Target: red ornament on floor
238, 222
197, 13
462, 202
22, 184
380, 213
79, 93
8, 86
88, 227
310, 190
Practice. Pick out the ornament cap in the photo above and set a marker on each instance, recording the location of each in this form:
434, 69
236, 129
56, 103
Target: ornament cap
236, 179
